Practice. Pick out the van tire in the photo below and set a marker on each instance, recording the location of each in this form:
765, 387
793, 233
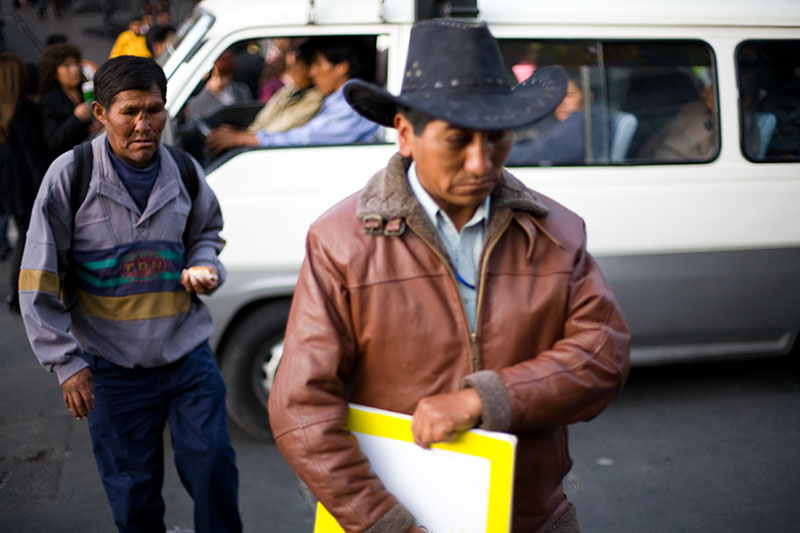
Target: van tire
246, 369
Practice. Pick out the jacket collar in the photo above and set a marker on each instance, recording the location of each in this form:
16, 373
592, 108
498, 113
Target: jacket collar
165, 188
388, 194
387, 198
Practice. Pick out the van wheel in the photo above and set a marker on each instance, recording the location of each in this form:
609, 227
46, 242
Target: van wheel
248, 365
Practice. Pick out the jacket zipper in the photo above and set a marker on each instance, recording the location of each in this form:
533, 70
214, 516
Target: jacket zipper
473, 335
476, 356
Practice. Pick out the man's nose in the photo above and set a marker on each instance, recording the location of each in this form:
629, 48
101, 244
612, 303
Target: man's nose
478, 160
142, 122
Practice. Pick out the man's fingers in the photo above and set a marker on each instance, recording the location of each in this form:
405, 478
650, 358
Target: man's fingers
70, 406
427, 429
78, 395
439, 418
88, 400
201, 284
186, 280
76, 405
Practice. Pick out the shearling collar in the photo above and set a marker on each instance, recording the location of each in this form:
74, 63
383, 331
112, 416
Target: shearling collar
388, 197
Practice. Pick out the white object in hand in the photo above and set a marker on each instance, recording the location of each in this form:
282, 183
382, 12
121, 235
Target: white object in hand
201, 273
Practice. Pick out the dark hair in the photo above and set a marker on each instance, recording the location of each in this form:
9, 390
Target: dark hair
418, 119
12, 85
55, 38
127, 73
352, 49
158, 34
305, 51
49, 60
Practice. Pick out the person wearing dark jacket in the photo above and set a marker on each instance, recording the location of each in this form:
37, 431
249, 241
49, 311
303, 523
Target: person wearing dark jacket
67, 118
23, 160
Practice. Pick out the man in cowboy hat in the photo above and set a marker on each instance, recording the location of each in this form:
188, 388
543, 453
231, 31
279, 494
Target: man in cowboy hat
448, 290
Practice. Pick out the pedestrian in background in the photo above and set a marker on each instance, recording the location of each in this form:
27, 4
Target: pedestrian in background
158, 38
88, 67
67, 118
131, 42
108, 298
23, 158
448, 290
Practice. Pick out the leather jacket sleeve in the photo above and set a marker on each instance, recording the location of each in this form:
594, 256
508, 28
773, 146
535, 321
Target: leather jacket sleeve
582, 372
308, 406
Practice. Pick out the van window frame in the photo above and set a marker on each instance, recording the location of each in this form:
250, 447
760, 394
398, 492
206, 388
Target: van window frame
740, 107
603, 65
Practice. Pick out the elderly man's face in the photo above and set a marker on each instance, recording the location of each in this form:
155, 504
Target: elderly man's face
133, 122
459, 168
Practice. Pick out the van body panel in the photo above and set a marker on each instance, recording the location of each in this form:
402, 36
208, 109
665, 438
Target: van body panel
704, 256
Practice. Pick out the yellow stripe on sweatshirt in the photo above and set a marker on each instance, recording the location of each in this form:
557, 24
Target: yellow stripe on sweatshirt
135, 306
38, 280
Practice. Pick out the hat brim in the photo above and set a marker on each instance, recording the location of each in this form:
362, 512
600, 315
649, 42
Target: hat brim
526, 104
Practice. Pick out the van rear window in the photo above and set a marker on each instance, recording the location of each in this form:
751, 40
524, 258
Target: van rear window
628, 102
768, 74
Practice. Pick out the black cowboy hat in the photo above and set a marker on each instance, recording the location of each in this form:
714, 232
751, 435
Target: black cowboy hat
454, 72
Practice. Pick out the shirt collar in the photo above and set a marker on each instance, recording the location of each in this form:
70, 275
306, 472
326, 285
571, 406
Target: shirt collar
432, 208
335, 97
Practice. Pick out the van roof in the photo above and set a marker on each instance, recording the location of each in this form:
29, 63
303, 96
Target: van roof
780, 13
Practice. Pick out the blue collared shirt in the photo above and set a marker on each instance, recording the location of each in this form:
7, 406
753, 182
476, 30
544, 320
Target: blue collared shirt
335, 123
464, 247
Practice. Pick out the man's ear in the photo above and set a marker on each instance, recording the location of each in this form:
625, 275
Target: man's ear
343, 69
99, 112
405, 134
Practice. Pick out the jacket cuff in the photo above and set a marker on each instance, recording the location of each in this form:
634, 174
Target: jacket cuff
397, 519
66, 370
496, 414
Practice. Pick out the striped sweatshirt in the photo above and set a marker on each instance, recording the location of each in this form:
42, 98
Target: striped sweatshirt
130, 307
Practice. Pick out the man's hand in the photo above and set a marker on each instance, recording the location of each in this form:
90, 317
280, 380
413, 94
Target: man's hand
201, 280
82, 112
439, 418
78, 394
226, 137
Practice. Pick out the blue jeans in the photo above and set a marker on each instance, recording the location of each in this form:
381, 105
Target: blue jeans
131, 408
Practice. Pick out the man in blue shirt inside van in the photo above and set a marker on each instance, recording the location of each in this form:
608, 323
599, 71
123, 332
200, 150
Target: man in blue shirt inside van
336, 60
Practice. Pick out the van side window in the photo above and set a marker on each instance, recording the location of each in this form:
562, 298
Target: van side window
628, 102
768, 75
281, 92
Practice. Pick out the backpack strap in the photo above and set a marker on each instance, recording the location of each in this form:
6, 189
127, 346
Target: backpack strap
190, 181
83, 161
81, 176
187, 170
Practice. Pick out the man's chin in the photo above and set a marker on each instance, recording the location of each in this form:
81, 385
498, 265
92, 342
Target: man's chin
142, 156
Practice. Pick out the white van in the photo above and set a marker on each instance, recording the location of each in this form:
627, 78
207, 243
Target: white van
687, 171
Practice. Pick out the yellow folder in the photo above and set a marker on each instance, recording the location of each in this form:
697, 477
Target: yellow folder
462, 486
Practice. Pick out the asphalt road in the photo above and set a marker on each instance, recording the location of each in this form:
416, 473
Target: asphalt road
693, 448
48, 478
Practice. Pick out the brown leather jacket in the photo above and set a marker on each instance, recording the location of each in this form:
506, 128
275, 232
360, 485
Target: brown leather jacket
377, 320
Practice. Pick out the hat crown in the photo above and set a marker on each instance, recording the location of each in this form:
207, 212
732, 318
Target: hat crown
446, 55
